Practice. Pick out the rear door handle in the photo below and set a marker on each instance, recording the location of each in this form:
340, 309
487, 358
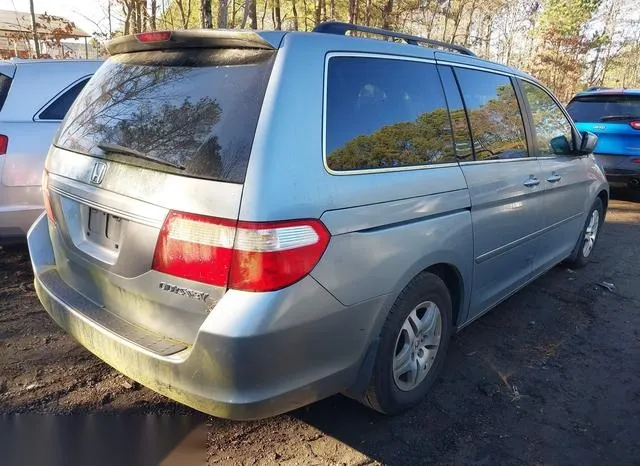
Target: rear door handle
554, 178
532, 181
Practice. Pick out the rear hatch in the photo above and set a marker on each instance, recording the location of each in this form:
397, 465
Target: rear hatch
613, 117
153, 154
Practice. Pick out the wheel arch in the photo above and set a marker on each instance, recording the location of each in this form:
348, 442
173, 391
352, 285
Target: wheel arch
452, 278
604, 197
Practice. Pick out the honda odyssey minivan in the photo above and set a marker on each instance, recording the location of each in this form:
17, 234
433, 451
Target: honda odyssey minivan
247, 222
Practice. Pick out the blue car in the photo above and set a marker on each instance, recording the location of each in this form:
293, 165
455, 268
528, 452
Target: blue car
614, 116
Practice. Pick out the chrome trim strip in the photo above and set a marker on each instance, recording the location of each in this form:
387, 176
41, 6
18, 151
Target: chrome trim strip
504, 248
153, 189
149, 221
482, 162
475, 67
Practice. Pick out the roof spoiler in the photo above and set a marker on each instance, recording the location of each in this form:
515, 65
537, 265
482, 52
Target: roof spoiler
194, 38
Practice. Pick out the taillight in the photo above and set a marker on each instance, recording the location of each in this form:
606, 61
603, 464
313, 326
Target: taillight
635, 124
249, 256
4, 143
636, 161
272, 255
45, 196
155, 36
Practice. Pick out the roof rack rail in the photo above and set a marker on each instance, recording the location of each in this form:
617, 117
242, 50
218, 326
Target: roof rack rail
338, 28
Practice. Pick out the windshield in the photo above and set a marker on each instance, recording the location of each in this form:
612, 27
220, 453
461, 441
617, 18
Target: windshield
612, 108
196, 109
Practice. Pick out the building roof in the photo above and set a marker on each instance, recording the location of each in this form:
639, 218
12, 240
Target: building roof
47, 25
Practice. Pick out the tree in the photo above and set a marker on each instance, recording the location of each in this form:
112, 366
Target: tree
206, 19
568, 44
154, 7
250, 11
223, 14
277, 17
294, 11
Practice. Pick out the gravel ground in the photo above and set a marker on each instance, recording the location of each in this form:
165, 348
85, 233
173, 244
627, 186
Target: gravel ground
551, 376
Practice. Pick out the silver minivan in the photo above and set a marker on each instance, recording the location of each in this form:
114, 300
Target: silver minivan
247, 222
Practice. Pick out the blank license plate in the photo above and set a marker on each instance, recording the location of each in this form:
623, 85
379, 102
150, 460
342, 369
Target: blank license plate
104, 228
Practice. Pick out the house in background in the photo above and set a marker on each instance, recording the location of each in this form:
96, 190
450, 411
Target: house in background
58, 37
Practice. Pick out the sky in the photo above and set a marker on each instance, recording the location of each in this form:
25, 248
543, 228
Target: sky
84, 13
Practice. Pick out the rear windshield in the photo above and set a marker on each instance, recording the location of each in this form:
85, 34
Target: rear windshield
610, 108
197, 109
5, 83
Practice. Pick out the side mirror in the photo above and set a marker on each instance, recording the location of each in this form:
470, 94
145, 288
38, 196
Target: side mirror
587, 143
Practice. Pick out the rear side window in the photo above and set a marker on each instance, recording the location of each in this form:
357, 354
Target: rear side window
496, 122
605, 108
385, 113
197, 109
60, 106
5, 84
553, 130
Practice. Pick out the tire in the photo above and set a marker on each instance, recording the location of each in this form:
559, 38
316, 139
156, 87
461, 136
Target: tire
584, 246
392, 394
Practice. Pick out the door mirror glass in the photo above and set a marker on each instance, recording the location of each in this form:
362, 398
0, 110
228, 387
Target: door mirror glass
588, 143
560, 145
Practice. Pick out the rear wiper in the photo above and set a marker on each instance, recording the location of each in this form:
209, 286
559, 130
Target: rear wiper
118, 149
618, 117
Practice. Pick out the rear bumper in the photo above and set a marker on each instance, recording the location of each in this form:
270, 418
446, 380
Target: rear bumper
256, 354
621, 172
623, 180
19, 207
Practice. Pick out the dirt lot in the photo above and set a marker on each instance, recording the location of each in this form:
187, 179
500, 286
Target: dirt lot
552, 376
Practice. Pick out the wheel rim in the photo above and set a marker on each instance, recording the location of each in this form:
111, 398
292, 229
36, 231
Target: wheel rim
417, 345
590, 233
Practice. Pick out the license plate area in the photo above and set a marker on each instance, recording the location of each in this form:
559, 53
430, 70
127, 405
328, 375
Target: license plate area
104, 229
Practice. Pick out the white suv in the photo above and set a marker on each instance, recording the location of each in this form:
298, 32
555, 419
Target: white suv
34, 97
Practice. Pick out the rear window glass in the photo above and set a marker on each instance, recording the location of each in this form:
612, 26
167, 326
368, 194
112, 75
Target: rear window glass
197, 109
604, 108
5, 83
384, 113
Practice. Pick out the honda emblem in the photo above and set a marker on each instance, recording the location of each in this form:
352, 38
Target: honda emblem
97, 174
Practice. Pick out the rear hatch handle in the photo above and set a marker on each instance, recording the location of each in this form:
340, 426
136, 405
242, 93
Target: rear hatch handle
118, 149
